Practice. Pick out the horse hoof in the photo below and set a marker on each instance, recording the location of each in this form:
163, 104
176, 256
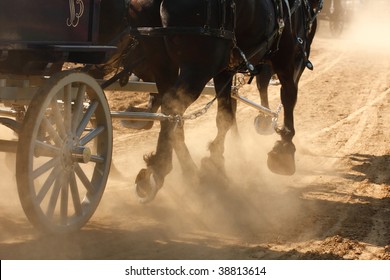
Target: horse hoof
263, 125
281, 159
146, 186
139, 125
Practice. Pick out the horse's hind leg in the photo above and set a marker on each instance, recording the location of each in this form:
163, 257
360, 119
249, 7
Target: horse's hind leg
171, 136
214, 165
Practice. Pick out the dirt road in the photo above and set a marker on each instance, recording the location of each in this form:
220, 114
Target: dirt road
336, 206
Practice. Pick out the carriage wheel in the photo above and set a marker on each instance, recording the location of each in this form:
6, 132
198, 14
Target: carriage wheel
336, 27
64, 153
336, 23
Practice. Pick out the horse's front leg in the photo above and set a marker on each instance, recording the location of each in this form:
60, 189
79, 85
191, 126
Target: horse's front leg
281, 159
263, 123
214, 165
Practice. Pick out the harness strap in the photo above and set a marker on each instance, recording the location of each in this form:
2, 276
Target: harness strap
222, 33
265, 46
208, 14
223, 13
206, 30
182, 30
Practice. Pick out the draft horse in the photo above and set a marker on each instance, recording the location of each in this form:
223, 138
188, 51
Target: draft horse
215, 39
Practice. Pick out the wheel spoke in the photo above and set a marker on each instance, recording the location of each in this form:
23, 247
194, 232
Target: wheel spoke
64, 198
52, 132
48, 183
54, 197
75, 194
87, 117
58, 118
46, 150
84, 179
97, 159
68, 108
78, 107
45, 167
91, 135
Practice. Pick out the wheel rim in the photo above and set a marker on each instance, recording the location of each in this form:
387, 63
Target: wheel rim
64, 152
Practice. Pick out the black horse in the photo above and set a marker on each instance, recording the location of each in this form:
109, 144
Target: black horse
215, 39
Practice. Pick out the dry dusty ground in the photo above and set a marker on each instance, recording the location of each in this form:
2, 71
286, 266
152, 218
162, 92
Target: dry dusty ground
336, 206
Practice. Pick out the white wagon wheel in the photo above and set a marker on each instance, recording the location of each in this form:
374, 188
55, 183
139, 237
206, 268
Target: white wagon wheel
64, 152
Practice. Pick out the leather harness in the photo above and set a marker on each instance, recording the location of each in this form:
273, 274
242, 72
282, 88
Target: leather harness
226, 29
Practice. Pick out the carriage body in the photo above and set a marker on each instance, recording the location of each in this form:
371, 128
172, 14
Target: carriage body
37, 34
43, 22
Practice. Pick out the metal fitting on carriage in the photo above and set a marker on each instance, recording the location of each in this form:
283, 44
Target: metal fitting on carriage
281, 26
177, 119
276, 117
264, 110
81, 154
249, 66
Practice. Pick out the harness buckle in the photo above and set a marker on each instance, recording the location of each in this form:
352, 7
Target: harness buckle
281, 25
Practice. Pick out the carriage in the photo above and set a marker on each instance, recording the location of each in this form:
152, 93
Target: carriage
58, 111
338, 13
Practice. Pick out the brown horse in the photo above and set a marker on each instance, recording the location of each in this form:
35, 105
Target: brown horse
214, 39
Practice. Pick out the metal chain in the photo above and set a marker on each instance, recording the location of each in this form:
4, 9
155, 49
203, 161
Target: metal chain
239, 81
179, 120
200, 112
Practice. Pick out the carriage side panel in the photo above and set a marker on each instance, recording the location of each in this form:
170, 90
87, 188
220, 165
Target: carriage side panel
54, 21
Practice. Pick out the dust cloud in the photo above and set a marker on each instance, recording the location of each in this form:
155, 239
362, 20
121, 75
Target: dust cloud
250, 203
367, 25
12, 218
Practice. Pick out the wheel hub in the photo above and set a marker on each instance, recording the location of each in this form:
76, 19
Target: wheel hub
81, 154
72, 153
